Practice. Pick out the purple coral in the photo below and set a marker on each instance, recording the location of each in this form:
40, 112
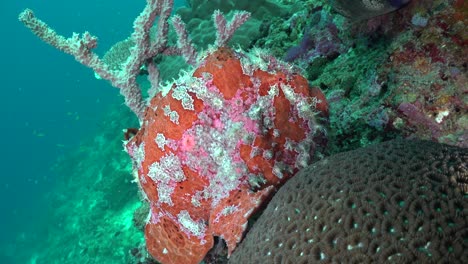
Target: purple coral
319, 40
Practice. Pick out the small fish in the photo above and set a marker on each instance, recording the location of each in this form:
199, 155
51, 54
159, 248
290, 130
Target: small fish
365, 9
38, 134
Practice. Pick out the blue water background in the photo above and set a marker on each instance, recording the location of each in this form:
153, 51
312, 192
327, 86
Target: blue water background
49, 102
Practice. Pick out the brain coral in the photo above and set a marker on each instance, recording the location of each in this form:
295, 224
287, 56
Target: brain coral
395, 202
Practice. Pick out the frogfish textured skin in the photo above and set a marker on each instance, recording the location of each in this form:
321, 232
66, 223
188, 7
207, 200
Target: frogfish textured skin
396, 202
214, 146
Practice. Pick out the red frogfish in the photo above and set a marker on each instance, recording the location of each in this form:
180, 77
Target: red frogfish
215, 145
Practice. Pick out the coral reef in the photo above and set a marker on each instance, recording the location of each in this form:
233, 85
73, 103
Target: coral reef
198, 13
90, 209
215, 143
402, 74
396, 201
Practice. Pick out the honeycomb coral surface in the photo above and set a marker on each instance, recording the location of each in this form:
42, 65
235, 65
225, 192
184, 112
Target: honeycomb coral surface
395, 202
